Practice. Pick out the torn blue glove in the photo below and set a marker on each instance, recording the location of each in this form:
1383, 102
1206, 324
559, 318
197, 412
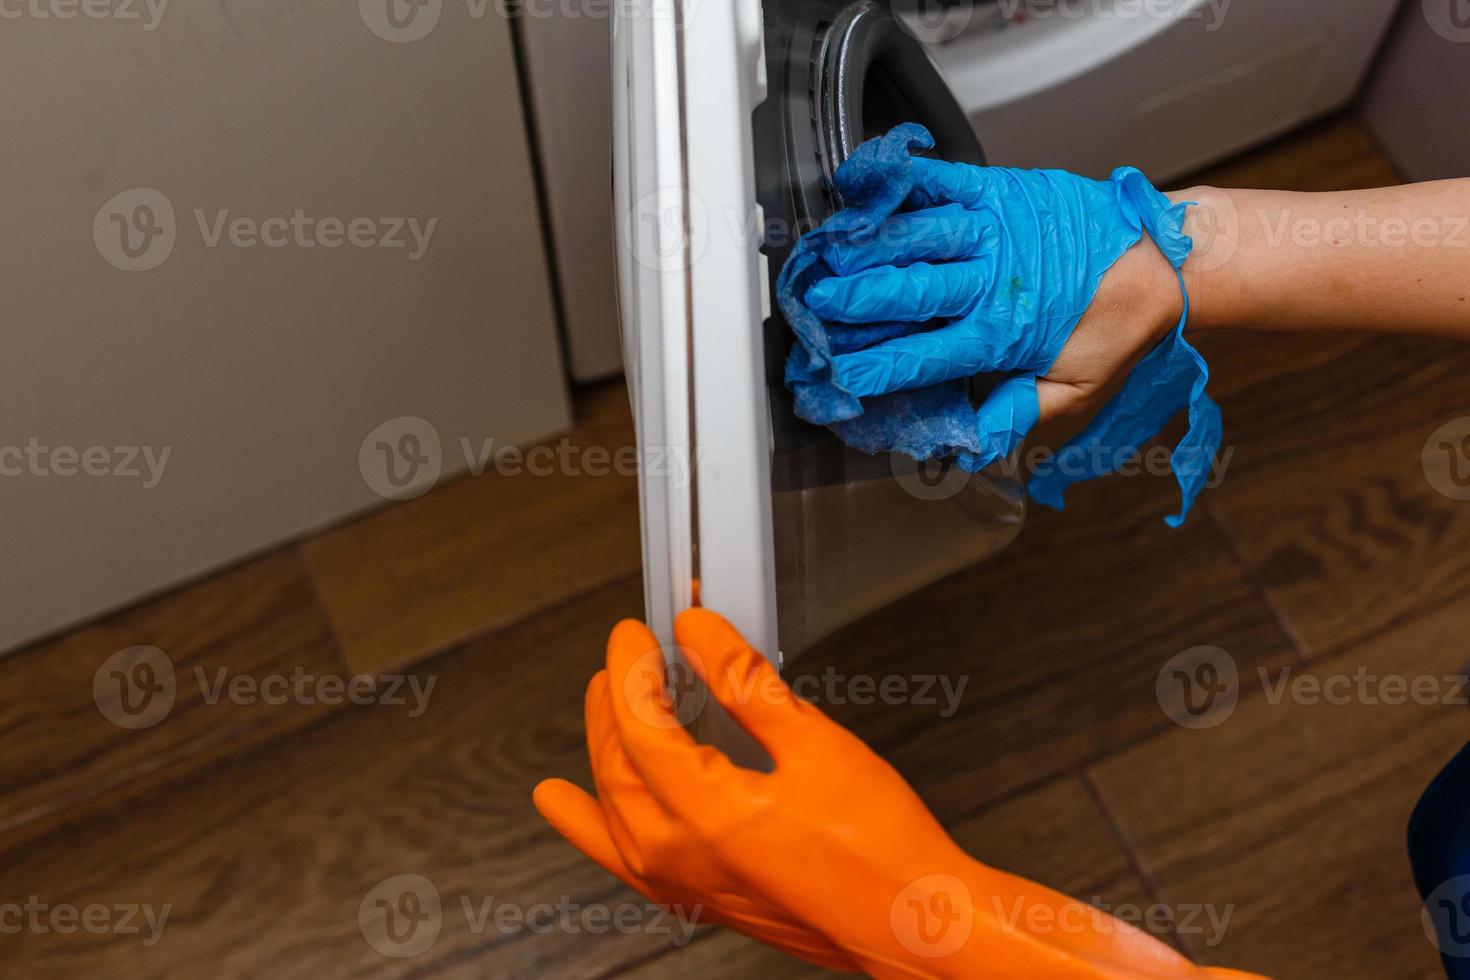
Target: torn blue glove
941, 271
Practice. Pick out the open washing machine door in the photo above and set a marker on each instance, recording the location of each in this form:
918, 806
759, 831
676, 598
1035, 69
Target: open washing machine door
729, 118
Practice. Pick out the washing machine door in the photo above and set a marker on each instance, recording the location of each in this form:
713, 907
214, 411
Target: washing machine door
729, 119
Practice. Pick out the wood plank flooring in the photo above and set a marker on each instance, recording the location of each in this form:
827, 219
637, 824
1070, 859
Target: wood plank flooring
271, 833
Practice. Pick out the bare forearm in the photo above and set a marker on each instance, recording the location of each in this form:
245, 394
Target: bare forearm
1389, 259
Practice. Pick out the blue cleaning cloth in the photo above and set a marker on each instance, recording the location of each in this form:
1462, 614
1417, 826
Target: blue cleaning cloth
1439, 851
934, 272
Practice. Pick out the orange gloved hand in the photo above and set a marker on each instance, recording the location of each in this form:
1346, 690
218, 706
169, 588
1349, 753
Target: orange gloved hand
832, 856
629, 815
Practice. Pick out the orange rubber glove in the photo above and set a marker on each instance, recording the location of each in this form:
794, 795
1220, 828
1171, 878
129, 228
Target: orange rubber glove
832, 856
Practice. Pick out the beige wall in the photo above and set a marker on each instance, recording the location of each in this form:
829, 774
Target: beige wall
1414, 102
260, 371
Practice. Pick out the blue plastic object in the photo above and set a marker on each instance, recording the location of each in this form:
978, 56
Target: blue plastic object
933, 272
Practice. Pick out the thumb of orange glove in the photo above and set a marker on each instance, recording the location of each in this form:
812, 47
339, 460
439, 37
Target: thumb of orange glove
832, 856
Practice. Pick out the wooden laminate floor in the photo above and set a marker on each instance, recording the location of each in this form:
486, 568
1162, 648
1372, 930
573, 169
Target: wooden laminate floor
277, 836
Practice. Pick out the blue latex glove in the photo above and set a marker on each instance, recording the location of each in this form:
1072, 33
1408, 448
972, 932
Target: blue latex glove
954, 270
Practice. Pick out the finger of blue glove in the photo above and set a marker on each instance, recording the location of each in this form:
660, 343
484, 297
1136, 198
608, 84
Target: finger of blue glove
931, 235
959, 350
914, 293
1002, 422
941, 182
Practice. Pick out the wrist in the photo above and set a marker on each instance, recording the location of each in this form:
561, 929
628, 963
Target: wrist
1152, 285
970, 919
937, 920
1213, 224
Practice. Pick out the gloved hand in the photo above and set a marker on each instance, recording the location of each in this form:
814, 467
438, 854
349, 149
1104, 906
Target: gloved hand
632, 834
831, 856
1011, 260
1008, 263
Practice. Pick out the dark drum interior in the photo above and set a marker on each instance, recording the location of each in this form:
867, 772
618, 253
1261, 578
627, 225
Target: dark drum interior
875, 75
884, 104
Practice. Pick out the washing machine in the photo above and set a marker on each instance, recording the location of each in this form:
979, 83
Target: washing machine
1168, 86
730, 117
